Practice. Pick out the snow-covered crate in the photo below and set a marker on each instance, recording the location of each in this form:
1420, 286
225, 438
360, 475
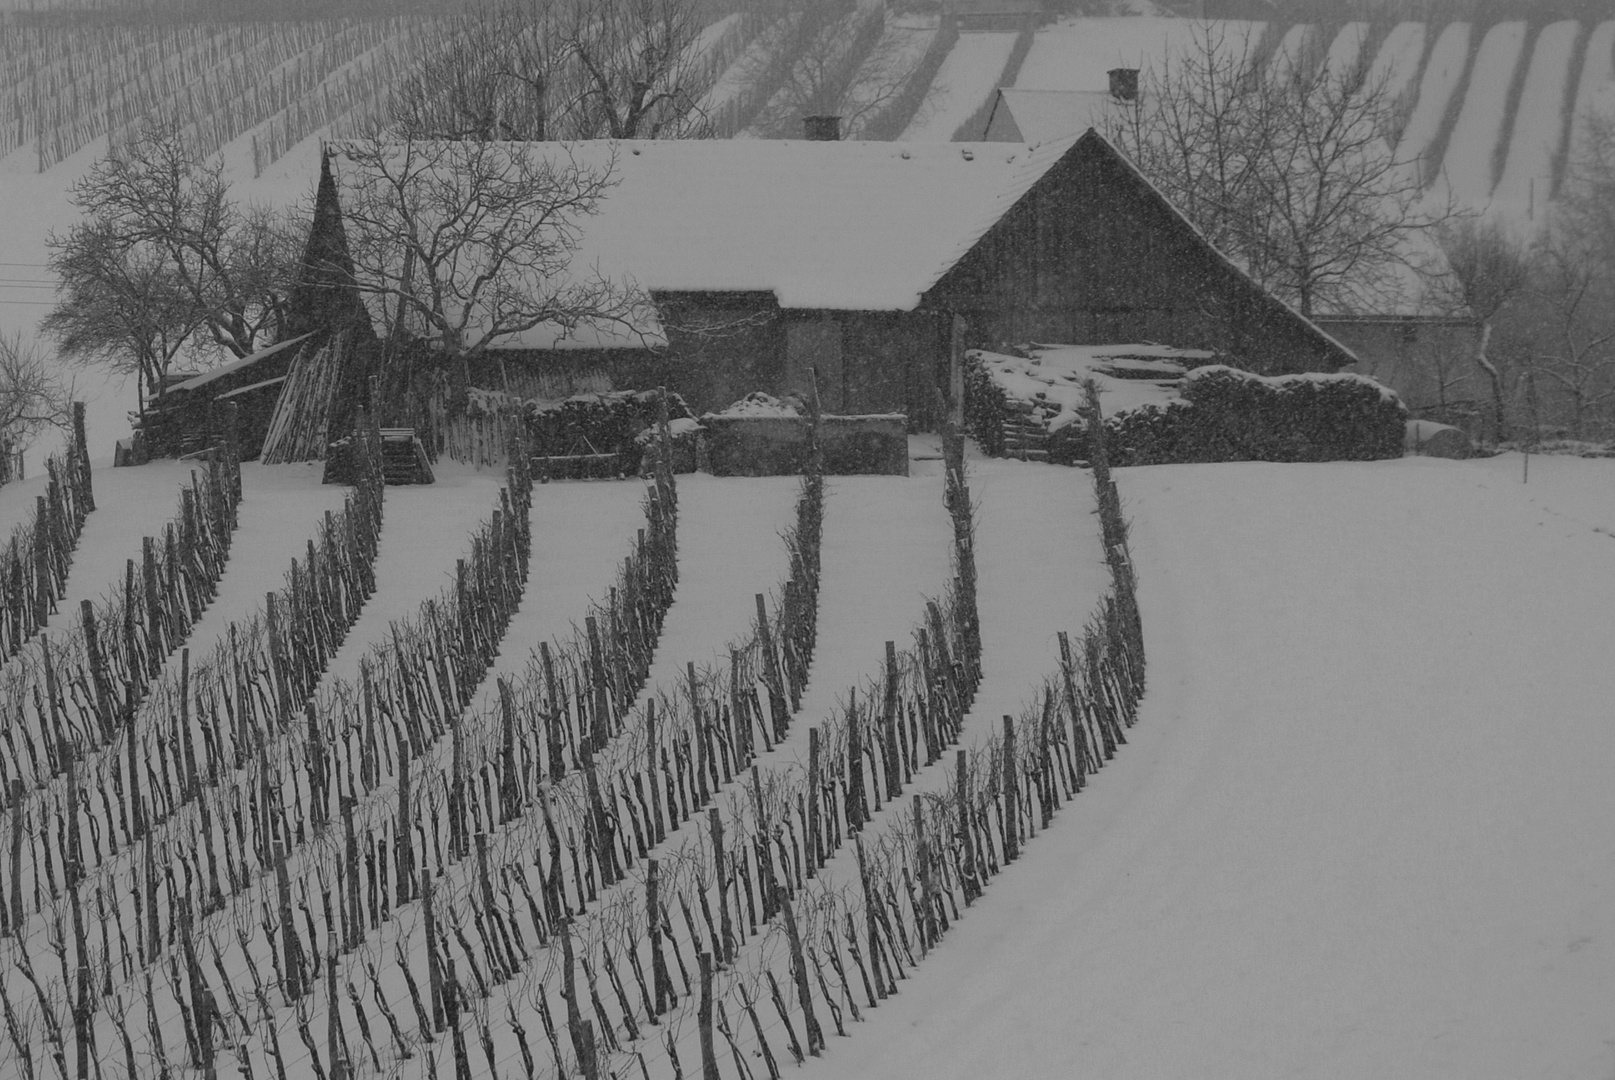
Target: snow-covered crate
761, 436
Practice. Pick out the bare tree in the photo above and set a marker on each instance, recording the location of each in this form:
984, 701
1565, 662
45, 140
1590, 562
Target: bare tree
1289, 168
162, 258
1574, 295
569, 69
638, 73
462, 244
845, 62
33, 398
119, 306
1488, 272
488, 72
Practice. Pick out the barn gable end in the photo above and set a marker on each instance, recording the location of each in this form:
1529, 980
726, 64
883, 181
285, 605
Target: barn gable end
1093, 254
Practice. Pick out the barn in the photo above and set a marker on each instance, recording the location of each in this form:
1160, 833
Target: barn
876, 264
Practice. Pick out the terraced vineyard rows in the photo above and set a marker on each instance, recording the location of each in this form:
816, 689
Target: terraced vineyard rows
1524, 88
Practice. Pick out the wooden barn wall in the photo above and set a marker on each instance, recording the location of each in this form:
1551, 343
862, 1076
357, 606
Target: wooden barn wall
723, 346
1090, 256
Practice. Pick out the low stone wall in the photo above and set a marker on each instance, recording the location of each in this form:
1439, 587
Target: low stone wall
778, 445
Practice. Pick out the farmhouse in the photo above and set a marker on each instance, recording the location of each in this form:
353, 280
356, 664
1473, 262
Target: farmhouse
878, 263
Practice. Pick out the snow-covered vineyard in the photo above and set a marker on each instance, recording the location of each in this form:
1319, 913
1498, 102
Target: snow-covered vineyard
1496, 107
695, 623
560, 838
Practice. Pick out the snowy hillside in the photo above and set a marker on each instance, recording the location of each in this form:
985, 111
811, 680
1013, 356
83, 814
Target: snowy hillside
1361, 828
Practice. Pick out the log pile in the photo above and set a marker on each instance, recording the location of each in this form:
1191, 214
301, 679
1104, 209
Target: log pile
299, 430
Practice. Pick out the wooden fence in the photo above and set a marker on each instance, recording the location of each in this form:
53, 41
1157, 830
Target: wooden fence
34, 566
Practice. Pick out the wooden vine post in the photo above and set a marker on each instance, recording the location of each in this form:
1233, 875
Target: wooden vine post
1012, 828
815, 1035
709, 1057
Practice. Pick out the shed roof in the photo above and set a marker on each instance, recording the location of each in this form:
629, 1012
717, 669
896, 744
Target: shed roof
229, 367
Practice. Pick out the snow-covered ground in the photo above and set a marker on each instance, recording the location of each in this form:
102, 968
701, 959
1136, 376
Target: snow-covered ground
424, 531
1397, 62
1346, 50
1292, 48
1076, 54
1527, 179
895, 57
1467, 167
1442, 72
1595, 92
581, 532
963, 83
1362, 826
730, 549
884, 553
124, 512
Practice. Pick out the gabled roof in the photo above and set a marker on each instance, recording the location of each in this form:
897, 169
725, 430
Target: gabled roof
866, 226
1092, 141
856, 226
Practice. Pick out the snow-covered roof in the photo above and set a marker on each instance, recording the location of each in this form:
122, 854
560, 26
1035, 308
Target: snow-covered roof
866, 226
235, 365
1043, 115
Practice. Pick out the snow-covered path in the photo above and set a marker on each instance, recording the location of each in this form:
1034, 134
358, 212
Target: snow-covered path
1362, 826
968, 75
1041, 570
423, 531
885, 551
730, 549
1522, 191
1467, 168
581, 532
281, 510
1449, 56
129, 504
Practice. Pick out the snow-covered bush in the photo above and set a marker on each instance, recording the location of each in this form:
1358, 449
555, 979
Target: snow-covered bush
1231, 415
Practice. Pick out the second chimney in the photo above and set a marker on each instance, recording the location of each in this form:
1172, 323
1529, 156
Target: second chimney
1124, 84
821, 128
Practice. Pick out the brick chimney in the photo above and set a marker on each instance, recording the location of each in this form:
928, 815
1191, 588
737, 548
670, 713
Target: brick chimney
1124, 84
821, 128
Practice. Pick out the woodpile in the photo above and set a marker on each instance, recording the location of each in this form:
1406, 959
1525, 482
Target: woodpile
34, 565
299, 430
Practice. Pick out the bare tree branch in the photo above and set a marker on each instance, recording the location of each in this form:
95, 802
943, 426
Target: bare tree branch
463, 244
